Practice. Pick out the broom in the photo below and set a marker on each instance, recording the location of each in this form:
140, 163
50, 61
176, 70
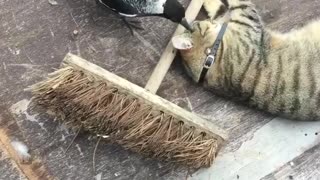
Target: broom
86, 96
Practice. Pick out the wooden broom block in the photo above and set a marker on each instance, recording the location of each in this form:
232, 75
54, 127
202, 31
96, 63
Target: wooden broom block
145, 96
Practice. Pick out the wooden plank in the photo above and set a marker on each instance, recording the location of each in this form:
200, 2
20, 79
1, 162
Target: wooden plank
271, 147
305, 166
29, 170
8, 168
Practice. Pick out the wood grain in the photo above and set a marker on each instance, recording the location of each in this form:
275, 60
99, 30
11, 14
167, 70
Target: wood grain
170, 52
305, 166
30, 170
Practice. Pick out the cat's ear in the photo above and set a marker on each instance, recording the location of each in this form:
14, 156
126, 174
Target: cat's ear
182, 42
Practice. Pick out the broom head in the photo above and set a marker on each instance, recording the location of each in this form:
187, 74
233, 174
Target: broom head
84, 95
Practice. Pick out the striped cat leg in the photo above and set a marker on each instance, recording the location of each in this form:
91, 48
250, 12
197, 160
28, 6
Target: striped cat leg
244, 13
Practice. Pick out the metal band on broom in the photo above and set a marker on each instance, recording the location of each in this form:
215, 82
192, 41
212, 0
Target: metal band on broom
84, 95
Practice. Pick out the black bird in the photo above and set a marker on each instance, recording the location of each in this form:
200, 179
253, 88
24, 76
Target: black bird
169, 9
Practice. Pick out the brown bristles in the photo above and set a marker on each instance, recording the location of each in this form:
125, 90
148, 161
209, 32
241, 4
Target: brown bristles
83, 100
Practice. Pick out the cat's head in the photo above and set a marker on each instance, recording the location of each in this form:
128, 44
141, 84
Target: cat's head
193, 46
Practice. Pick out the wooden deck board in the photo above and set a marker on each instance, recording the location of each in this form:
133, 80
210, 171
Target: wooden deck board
35, 36
269, 148
305, 166
8, 168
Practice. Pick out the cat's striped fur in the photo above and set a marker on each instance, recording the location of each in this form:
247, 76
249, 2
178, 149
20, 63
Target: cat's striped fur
275, 72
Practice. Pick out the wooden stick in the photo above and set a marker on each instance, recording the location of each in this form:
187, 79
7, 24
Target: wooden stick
170, 52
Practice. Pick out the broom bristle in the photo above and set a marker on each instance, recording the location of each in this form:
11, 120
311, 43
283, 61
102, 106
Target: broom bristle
83, 100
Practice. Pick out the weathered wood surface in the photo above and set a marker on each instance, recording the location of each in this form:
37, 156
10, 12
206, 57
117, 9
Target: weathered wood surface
34, 38
8, 169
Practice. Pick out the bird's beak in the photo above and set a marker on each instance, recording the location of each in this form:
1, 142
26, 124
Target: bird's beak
185, 24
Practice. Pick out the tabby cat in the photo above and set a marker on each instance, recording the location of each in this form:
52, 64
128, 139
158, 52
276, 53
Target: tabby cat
272, 71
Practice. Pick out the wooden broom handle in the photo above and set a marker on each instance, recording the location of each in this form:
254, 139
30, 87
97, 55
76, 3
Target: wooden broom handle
170, 52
